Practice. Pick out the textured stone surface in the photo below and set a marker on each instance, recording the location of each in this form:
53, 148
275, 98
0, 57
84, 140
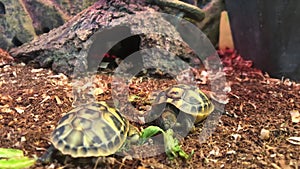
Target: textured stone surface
24, 20
66, 48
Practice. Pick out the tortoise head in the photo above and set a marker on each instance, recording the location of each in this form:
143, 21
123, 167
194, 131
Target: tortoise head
133, 134
168, 119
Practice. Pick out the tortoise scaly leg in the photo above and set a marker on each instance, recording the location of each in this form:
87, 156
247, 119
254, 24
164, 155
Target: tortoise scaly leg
184, 124
47, 156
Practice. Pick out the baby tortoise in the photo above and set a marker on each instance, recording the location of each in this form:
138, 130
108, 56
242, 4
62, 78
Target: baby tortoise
90, 130
180, 107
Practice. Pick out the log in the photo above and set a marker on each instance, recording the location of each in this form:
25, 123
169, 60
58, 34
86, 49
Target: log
70, 48
64, 48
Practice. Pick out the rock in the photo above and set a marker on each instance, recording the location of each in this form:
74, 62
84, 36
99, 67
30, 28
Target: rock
22, 21
264, 134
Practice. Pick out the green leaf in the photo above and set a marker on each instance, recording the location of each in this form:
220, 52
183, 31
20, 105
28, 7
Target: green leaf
151, 131
9, 153
172, 147
14, 159
170, 144
16, 163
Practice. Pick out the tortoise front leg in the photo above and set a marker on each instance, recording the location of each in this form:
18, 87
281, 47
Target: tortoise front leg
47, 156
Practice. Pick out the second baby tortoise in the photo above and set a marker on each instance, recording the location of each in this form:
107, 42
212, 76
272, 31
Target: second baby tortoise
180, 107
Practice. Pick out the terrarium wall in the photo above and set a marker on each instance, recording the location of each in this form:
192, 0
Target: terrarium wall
267, 32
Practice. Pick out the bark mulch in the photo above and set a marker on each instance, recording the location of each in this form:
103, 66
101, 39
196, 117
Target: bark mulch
254, 132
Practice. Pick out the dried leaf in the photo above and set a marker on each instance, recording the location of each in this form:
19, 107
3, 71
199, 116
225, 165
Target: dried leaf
58, 101
141, 167
264, 134
19, 99
36, 70
275, 166
283, 164
231, 152
20, 110
295, 116
294, 140
45, 99
23, 139
6, 110
236, 137
215, 152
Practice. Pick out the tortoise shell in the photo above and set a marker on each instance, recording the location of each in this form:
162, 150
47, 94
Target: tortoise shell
90, 130
188, 99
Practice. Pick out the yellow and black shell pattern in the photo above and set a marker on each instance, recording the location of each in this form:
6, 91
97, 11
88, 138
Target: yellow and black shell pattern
90, 130
188, 99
